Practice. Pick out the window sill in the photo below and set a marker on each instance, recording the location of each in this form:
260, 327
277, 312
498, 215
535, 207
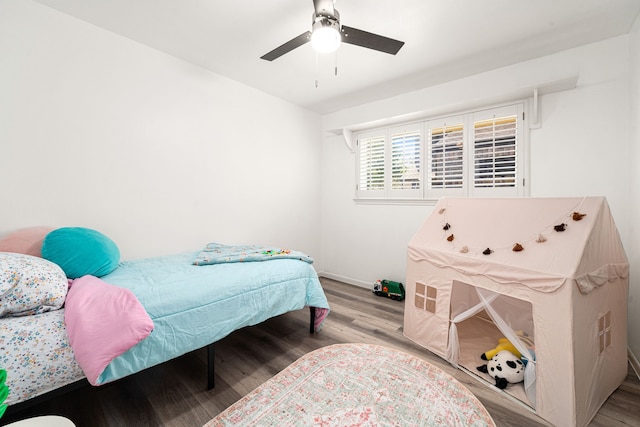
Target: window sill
407, 202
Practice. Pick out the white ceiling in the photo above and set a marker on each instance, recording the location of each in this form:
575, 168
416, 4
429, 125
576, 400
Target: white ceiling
444, 39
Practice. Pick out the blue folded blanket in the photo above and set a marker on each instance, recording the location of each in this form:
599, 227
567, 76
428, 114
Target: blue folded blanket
216, 253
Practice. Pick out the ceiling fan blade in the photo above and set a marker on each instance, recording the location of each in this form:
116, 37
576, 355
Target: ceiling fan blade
287, 47
370, 40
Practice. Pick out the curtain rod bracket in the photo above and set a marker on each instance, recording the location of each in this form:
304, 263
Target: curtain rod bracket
348, 139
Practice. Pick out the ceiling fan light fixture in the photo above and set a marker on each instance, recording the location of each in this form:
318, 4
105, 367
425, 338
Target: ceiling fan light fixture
325, 35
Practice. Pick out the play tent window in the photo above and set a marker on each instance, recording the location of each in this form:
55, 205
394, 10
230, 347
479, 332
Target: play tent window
604, 331
425, 297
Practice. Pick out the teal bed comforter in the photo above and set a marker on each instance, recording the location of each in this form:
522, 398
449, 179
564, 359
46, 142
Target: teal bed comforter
194, 305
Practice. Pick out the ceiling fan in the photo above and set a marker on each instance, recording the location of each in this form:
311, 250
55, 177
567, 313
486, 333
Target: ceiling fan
327, 33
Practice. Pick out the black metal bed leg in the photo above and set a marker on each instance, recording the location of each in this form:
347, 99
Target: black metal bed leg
312, 323
210, 367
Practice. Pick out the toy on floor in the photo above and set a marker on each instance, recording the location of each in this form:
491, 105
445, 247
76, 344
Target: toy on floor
4, 391
503, 344
505, 368
388, 288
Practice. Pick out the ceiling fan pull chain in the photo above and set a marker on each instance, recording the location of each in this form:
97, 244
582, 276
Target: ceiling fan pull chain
335, 71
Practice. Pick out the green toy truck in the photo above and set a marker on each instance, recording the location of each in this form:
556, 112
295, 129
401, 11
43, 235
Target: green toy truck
388, 288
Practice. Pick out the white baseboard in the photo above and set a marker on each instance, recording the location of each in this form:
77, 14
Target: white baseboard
347, 280
633, 361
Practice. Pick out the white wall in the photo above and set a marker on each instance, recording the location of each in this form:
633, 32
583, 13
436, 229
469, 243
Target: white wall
162, 156
579, 150
634, 188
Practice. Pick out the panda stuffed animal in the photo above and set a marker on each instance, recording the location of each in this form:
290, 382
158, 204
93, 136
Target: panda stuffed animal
505, 368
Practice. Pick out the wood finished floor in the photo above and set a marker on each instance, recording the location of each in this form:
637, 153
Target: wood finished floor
174, 393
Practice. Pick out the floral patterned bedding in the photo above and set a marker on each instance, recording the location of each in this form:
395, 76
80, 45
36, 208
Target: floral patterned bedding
34, 347
35, 352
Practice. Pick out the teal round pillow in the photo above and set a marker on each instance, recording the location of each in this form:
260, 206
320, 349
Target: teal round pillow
81, 251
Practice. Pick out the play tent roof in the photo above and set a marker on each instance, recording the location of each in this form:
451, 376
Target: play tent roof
477, 237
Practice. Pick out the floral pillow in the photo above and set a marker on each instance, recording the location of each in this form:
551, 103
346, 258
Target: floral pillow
30, 285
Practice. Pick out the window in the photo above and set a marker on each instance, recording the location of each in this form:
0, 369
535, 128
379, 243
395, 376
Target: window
390, 162
446, 156
425, 297
494, 146
405, 160
604, 331
371, 150
474, 154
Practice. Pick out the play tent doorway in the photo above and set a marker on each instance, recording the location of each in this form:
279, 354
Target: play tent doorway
549, 274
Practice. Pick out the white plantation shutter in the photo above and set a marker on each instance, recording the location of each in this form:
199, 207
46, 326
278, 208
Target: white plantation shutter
497, 169
445, 157
476, 154
371, 158
406, 161
495, 153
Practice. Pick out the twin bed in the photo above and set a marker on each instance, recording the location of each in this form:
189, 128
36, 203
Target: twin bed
172, 307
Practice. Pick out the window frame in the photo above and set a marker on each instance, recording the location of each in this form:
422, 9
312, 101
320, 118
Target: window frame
427, 193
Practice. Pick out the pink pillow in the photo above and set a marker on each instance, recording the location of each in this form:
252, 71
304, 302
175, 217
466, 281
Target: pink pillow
25, 241
103, 321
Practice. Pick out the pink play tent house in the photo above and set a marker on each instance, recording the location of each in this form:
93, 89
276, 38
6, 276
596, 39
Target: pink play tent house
550, 275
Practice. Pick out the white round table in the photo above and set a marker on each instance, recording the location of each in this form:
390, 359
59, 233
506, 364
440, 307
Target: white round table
44, 421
